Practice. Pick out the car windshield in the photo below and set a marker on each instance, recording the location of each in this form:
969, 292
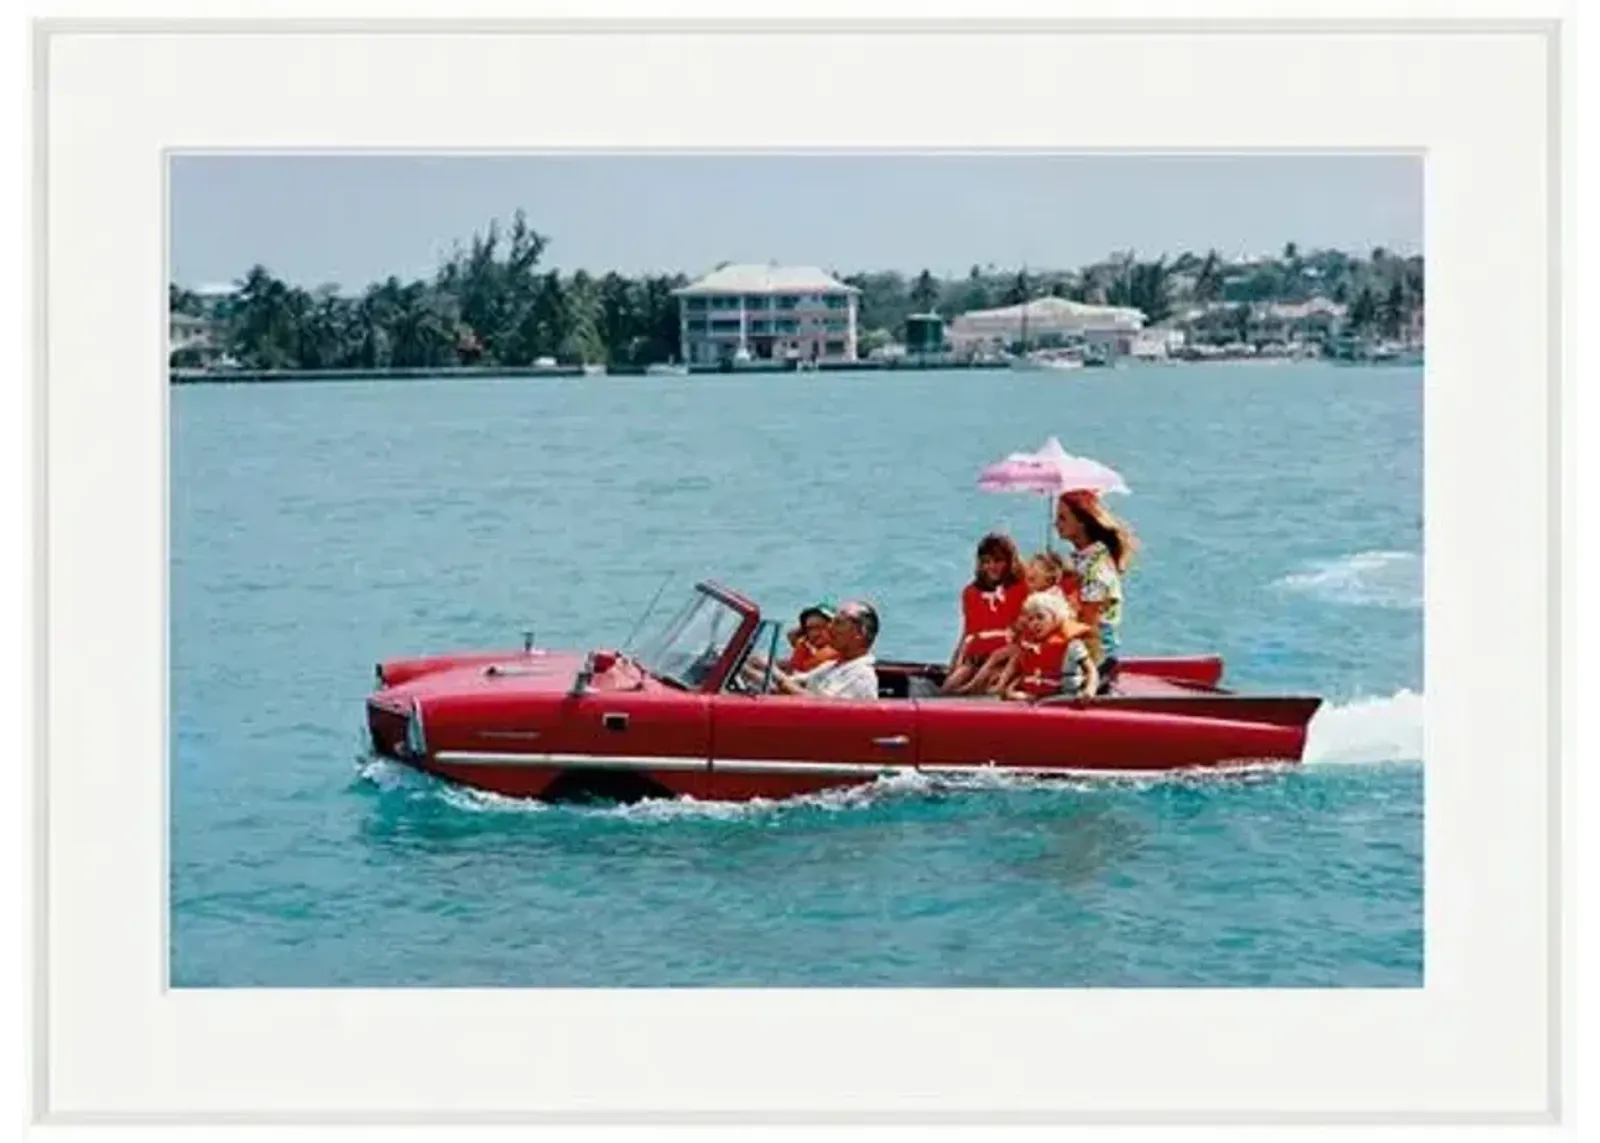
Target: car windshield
689, 646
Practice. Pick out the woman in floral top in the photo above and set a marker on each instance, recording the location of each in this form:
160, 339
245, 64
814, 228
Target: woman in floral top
1102, 549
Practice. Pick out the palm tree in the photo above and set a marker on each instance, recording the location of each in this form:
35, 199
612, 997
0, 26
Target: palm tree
620, 319
1020, 290
1208, 282
1392, 314
975, 295
1363, 311
262, 323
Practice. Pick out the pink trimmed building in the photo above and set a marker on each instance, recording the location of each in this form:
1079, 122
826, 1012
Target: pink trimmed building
767, 313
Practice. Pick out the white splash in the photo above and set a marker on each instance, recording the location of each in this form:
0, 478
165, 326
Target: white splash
484, 802
880, 791
1365, 579
1367, 730
383, 773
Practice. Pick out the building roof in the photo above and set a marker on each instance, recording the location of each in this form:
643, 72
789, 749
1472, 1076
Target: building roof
1051, 313
1296, 310
767, 278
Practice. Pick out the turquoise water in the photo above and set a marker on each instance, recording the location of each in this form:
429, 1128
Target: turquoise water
319, 527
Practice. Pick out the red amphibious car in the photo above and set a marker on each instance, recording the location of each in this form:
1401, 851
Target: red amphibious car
679, 718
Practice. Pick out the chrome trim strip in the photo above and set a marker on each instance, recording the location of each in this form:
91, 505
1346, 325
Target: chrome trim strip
564, 761
781, 766
831, 769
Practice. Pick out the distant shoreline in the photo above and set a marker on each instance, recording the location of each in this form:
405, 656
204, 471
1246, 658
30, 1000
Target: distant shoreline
190, 376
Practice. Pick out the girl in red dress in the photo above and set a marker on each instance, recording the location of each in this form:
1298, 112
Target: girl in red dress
990, 605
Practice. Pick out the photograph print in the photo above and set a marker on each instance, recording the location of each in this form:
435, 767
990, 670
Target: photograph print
796, 570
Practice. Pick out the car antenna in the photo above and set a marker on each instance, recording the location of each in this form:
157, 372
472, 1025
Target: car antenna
628, 642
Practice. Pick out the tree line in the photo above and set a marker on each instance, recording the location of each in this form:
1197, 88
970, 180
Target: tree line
490, 303
1382, 292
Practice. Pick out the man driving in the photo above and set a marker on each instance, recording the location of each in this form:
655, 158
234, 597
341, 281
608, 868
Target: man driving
853, 675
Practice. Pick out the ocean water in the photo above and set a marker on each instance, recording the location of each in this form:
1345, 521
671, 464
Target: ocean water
319, 527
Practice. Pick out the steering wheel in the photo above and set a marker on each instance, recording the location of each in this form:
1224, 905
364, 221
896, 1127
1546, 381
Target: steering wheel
695, 673
749, 679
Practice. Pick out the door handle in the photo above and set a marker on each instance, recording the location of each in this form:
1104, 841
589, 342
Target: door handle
614, 721
895, 740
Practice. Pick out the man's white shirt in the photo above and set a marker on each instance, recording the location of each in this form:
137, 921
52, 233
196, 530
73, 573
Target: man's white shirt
856, 679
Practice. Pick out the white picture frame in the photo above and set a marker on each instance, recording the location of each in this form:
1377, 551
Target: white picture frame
1481, 1041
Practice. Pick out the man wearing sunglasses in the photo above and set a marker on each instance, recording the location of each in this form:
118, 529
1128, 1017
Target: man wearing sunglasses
853, 675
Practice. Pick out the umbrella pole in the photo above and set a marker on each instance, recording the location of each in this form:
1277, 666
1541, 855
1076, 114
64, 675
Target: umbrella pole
1049, 520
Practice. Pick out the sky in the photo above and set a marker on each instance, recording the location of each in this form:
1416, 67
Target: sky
349, 220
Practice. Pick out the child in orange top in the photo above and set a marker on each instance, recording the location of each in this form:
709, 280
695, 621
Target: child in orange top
1049, 572
1041, 572
990, 605
1052, 657
811, 642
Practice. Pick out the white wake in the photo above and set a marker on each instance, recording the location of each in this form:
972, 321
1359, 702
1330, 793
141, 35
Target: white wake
1364, 579
1367, 730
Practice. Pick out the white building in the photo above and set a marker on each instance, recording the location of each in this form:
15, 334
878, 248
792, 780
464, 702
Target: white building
1156, 344
766, 313
192, 340
1049, 321
185, 331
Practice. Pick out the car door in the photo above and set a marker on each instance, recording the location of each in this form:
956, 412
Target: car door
776, 745
959, 735
661, 737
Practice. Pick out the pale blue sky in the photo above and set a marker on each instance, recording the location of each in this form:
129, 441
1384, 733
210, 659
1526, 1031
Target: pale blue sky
350, 220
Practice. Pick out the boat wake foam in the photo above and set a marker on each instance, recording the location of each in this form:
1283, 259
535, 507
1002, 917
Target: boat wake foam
392, 777
383, 773
1365, 579
1367, 730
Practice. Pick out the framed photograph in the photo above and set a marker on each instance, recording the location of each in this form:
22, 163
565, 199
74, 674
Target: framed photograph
917, 573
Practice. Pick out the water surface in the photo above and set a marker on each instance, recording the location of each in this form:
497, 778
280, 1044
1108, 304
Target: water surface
319, 527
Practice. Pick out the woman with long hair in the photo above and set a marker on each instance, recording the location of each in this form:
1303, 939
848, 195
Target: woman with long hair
1102, 548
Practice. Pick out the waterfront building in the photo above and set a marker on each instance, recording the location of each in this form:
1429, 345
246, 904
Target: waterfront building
192, 340
1109, 331
740, 313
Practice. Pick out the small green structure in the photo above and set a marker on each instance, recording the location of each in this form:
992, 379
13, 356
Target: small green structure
924, 333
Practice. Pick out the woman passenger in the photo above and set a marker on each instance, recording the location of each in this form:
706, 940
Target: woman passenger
1102, 548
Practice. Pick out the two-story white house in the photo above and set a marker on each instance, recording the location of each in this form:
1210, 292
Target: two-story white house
767, 313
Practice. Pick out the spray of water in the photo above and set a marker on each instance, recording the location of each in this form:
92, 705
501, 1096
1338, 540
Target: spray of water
1367, 730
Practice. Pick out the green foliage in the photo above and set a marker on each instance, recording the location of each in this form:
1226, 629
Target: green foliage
1020, 290
874, 339
490, 304
886, 301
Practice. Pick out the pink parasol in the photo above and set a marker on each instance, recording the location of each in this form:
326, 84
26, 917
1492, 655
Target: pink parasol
1050, 471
